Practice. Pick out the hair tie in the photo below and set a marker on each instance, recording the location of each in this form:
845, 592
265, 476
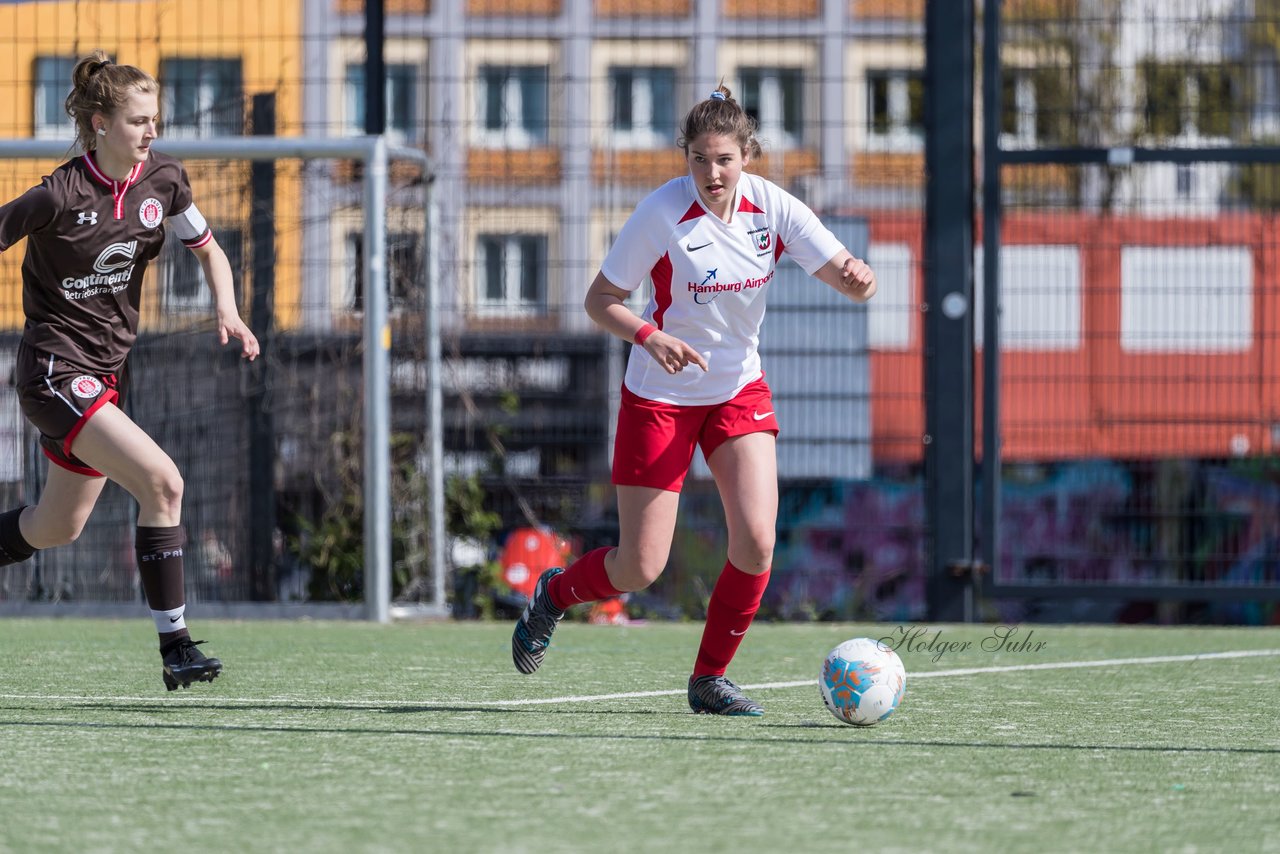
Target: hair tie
717, 95
102, 65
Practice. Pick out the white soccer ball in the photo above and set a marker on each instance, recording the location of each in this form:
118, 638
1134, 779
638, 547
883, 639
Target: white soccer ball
862, 681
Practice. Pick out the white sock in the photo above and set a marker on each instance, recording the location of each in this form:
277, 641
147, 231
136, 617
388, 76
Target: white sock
170, 621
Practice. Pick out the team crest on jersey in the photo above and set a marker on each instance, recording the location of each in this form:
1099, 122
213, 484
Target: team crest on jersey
151, 213
86, 387
762, 238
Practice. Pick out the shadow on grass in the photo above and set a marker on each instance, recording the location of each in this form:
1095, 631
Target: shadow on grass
843, 740
165, 708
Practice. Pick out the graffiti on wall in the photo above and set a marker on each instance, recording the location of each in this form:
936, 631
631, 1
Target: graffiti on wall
856, 550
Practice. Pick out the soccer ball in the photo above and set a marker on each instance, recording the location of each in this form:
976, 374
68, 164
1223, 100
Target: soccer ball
862, 681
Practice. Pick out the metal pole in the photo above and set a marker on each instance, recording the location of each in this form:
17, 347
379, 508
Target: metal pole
375, 69
991, 217
219, 147
435, 399
261, 418
948, 379
377, 398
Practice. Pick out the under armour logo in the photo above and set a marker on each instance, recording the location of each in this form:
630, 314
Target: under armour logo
87, 218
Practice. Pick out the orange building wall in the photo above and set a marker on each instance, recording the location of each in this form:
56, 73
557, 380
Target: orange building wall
268, 42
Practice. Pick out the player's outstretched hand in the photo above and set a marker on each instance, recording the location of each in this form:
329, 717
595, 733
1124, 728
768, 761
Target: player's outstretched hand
231, 326
671, 353
857, 280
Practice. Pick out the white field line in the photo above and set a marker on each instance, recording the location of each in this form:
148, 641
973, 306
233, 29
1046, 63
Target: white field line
462, 703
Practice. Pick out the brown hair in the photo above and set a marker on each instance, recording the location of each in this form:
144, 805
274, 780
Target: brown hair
722, 115
98, 85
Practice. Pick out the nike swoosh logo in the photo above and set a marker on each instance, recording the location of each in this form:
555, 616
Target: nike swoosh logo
693, 248
760, 416
737, 634
174, 619
573, 591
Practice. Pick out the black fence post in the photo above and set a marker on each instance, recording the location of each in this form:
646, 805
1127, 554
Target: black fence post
375, 68
992, 200
262, 440
948, 318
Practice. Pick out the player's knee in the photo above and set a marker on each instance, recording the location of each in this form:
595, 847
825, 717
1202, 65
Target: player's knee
755, 553
637, 571
60, 530
649, 571
166, 490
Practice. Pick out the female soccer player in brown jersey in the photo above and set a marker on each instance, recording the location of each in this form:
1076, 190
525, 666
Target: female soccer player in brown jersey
92, 227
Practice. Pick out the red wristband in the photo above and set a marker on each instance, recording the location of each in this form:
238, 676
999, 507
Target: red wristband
644, 332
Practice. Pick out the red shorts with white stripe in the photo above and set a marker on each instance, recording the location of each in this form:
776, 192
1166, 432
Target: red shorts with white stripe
655, 441
59, 399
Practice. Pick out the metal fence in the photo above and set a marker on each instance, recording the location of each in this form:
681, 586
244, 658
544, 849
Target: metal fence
1132, 166
548, 120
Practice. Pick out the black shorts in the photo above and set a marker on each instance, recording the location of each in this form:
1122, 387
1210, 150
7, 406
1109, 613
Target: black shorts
59, 399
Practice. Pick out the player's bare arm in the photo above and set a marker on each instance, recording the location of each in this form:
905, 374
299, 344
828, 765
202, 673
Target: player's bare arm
849, 275
606, 305
217, 272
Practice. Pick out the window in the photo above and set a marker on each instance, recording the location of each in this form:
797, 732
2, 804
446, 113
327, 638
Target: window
52, 83
512, 101
403, 109
1186, 299
202, 97
1266, 100
1163, 103
512, 272
183, 286
1036, 108
1214, 94
1184, 182
1041, 297
773, 97
895, 110
889, 320
405, 271
1195, 101
643, 106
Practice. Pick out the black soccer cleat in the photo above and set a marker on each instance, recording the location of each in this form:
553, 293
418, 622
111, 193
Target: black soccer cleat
716, 695
533, 630
184, 664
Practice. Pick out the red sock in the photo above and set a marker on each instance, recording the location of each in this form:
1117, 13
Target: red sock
584, 581
734, 603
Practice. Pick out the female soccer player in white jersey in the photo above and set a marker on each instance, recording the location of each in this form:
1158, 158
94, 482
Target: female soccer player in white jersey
710, 241
91, 228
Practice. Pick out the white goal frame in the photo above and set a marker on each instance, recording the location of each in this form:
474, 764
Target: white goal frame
376, 154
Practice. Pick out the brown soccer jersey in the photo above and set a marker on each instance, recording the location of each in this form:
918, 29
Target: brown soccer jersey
89, 240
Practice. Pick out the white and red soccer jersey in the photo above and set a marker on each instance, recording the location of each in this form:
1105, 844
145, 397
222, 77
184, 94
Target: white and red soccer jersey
710, 278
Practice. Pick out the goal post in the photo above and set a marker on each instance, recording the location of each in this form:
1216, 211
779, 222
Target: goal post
375, 155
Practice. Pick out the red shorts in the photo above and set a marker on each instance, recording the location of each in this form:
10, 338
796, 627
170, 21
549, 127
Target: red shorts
655, 441
59, 398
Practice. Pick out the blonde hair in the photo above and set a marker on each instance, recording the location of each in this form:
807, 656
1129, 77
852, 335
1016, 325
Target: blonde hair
98, 85
721, 115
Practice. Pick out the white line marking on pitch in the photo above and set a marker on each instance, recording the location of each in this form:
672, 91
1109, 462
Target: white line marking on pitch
462, 703
963, 671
